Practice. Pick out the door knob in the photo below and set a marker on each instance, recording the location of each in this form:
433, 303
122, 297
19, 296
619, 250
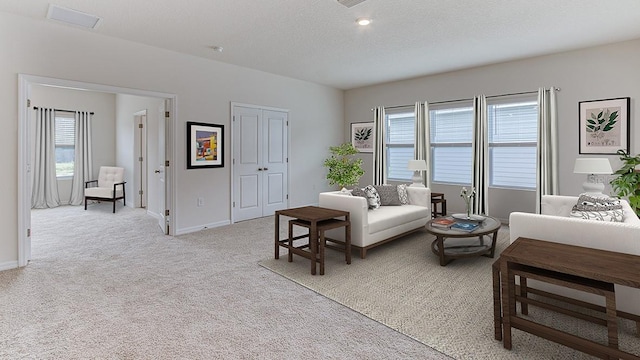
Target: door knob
259, 169
157, 171
265, 169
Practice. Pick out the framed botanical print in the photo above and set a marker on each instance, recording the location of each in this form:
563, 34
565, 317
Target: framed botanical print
604, 126
362, 136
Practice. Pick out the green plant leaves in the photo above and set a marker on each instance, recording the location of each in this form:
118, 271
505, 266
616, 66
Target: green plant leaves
343, 170
604, 121
627, 183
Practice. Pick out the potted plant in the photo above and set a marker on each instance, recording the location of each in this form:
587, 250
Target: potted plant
627, 184
343, 169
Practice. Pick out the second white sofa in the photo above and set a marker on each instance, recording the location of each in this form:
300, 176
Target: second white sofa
370, 228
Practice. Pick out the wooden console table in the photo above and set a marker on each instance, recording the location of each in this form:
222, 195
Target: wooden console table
585, 269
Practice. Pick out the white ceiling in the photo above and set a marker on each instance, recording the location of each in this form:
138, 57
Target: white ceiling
319, 41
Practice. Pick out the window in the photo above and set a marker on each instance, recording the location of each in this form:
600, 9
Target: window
400, 128
451, 129
513, 133
65, 144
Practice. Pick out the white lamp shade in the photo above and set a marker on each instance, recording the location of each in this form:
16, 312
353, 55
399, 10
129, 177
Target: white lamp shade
592, 166
417, 165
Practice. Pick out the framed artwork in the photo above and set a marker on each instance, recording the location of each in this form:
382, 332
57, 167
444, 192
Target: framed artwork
604, 126
205, 144
362, 136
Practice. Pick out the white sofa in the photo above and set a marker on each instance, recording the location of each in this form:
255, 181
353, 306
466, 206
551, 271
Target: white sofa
554, 224
370, 228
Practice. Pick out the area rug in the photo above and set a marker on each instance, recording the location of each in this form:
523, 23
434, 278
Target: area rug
448, 308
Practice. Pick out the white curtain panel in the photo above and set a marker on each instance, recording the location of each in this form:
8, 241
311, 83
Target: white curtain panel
547, 151
83, 168
423, 139
44, 191
480, 148
379, 156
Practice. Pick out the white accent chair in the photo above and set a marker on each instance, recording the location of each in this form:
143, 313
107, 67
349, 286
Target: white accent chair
108, 187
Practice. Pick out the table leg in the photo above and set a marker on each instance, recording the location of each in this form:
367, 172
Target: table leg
321, 241
440, 240
508, 285
524, 307
313, 245
290, 242
497, 311
612, 322
347, 241
277, 234
493, 243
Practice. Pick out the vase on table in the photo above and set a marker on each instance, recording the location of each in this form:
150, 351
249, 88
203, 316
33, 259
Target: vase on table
468, 196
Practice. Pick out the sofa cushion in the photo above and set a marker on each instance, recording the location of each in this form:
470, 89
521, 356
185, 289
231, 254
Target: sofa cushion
373, 199
388, 195
390, 216
402, 194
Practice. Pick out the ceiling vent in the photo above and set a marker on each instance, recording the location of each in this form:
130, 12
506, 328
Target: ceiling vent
350, 3
73, 17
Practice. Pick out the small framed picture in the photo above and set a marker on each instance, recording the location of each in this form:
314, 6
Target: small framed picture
604, 126
362, 136
205, 145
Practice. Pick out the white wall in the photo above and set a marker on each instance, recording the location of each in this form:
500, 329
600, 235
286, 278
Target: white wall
597, 73
103, 107
204, 90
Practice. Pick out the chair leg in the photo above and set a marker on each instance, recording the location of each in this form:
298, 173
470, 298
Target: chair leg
85, 203
114, 206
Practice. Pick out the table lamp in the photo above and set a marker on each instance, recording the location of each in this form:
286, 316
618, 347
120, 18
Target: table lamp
592, 167
417, 166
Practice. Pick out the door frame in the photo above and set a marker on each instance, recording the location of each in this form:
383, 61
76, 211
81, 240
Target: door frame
232, 105
141, 151
25, 81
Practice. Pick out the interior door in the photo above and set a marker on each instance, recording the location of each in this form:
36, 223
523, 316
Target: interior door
247, 166
260, 162
274, 161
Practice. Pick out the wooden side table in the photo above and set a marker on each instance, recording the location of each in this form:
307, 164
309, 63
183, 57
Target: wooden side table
587, 269
317, 220
438, 198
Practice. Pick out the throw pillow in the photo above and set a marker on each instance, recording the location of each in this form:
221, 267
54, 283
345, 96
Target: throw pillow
373, 199
615, 215
402, 194
597, 207
388, 195
358, 192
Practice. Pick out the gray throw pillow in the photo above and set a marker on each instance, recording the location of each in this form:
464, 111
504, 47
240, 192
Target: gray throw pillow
358, 192
388, 195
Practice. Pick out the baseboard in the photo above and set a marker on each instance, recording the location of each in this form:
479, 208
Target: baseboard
8, 265
202, 227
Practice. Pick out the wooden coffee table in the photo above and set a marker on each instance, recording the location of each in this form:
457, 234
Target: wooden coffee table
473, 247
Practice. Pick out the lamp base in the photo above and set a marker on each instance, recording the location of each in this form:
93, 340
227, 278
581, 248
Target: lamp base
593, 187
417, 179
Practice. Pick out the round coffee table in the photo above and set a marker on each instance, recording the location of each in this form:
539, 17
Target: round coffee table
471, 244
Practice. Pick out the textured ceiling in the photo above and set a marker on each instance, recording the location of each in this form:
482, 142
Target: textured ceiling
319, 41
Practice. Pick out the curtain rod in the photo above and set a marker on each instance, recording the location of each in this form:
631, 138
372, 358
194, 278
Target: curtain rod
36, 108
458, 100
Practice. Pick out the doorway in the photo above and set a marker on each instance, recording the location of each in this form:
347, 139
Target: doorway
25, 83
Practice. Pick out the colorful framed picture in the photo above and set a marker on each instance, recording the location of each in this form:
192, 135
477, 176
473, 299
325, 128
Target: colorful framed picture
362, 136
205, 145
604, 126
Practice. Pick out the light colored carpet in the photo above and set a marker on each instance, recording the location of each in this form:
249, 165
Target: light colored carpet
448, 308
110, 286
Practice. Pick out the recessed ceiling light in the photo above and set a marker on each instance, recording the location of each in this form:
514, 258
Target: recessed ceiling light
217, 48
73, 17
363, 21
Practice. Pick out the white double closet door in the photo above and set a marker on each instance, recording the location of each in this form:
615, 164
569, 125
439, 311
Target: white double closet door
260, 161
